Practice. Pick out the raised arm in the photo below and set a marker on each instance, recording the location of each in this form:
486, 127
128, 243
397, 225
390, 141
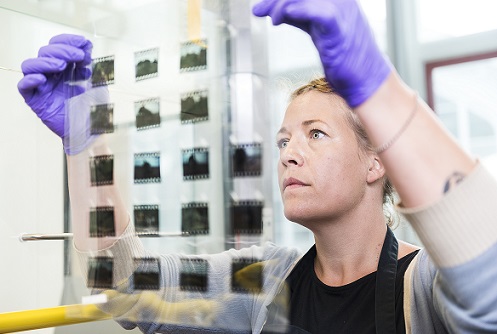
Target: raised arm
56, 87
423, 159
85, 197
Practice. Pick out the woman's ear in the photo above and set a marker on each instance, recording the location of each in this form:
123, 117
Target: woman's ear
376, 169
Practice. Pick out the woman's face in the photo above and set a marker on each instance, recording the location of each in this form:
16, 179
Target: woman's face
322, 171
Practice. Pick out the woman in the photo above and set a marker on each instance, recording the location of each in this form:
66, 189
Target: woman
333, 183
357, 278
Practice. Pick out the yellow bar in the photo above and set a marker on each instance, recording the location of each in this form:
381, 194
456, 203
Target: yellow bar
50, 317
194, 19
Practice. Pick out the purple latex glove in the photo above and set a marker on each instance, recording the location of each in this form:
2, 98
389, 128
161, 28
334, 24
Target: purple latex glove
352, 61
59, 73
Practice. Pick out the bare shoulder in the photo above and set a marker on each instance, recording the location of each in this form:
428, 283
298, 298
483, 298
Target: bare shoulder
406, 248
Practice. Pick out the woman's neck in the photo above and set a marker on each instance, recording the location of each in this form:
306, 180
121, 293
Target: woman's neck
347, 251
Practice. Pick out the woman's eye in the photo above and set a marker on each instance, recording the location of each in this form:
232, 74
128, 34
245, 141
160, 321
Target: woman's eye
282, 143
317, 134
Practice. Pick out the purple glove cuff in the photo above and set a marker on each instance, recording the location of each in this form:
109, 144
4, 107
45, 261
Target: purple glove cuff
358, 94
77, 122
71, 148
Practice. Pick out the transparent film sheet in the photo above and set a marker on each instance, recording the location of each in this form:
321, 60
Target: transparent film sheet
158, 193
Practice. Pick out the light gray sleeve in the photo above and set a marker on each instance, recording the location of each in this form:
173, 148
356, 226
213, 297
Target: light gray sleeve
423, 315
463, 224
218, 308
456, 284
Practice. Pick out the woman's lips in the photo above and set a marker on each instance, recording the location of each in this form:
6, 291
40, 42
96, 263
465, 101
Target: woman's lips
293, 183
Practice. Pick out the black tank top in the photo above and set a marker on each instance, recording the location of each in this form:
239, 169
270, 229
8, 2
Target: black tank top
320, 309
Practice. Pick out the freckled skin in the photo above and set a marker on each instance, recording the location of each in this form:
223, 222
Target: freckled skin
319, 148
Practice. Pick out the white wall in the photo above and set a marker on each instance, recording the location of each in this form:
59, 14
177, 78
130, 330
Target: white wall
31, 179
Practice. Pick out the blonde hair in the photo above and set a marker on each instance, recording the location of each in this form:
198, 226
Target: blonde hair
322, 86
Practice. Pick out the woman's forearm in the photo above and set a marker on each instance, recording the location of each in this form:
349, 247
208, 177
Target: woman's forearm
84, 197
424, 161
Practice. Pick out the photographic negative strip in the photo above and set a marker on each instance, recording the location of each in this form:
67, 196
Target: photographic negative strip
147, 114
194, 107
100, 272
102, 118
102, 71
194, 274
147, 274
146, 64
246, 160
146, 220
195, 218
246, 275
147, 167
193, 55
102, 170
195, 163
246, 217
102, 222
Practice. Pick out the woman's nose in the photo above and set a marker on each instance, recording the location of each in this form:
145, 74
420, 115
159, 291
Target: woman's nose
291, 154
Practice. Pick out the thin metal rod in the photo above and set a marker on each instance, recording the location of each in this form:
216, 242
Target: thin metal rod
162, 234
36, 237
66, 236
9, 69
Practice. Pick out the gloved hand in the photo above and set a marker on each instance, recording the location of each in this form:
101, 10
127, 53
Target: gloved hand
352, 62
60, 73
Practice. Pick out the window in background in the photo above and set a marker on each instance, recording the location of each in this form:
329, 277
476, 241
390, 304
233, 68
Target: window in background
466, 18
376, 13
463, 92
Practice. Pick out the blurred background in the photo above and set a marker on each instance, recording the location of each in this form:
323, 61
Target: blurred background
242, 75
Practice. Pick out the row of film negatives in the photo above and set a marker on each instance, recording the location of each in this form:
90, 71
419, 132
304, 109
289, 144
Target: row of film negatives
194, 108
246, 274
194, 105
193, 57
245, 161
245, 218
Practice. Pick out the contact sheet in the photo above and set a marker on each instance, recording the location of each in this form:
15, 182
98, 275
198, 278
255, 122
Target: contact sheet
103, 71
246, 217
194, 274
147, 274
147, 168
245, 159
101, 118
194, 107
146, 218
246, 274
102, 223
102, 170
193, 55
100, 272
246, 267
195, 163
146, 64
195, 218
147, 113
171, 150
